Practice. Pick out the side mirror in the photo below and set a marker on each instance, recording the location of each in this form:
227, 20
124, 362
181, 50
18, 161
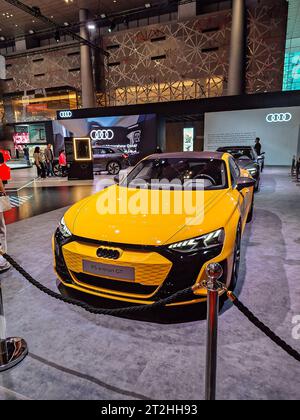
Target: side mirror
245, 182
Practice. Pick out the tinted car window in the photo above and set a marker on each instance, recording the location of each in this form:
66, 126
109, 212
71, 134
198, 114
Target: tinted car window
180, 171
234, 171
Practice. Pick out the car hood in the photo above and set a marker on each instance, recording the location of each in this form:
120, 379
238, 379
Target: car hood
84, 219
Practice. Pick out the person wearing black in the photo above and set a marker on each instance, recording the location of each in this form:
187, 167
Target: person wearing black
26, 155
257, 146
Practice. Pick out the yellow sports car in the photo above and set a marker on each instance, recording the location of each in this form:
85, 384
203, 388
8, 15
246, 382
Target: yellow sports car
154, 232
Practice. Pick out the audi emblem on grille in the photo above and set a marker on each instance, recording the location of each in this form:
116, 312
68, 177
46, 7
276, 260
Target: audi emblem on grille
279, 118
102, 134
110, 254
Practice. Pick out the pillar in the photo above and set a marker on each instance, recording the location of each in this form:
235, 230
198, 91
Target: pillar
236, 79
86, 68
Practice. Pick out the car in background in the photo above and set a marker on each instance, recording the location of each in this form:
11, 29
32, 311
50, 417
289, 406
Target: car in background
247, 158
138, 259
110, 159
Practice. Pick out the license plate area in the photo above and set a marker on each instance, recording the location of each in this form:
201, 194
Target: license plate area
109, 270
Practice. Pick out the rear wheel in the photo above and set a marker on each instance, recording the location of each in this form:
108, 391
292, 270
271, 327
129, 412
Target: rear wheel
113, 168
57, 170
236, 259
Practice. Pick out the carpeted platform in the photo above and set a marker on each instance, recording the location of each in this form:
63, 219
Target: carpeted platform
74, 355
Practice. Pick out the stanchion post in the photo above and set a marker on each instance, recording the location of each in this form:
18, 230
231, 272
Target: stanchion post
214, 272
12, 350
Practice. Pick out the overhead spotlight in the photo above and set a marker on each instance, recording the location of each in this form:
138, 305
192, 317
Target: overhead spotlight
91, 26
31, 31
103, 16
57, 36
147, 5
2, 38
66, 24
113, 26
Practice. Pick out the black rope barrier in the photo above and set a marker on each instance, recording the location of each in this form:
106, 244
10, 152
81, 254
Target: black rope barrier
183, 294
262, 327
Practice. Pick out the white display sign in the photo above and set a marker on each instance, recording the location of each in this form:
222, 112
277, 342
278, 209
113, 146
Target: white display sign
2, 68
278, 129
188, 139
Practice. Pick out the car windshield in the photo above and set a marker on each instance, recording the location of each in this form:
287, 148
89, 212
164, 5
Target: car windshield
240, 153
159, 173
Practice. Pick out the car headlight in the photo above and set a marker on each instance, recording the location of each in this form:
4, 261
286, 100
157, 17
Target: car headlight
208, 241
64, 230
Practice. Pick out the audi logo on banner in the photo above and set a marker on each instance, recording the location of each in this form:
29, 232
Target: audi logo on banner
279, 118
102, 134
65, 114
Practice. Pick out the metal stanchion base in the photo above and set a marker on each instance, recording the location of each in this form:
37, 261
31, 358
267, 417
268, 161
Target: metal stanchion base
17, 350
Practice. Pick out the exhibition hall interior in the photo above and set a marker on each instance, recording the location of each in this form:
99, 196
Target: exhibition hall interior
149, 202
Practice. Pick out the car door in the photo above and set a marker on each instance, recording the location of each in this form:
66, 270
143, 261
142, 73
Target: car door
244, 196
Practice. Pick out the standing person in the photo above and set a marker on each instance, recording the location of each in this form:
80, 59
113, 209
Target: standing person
4, 265
49, 160
62, 160
257, 146
26, 154
39, 162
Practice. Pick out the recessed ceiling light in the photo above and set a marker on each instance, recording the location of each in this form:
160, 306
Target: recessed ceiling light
147, 5
31, 31
103, 15
66, 23
91, 26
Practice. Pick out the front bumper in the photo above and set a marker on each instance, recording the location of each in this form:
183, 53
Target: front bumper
159, 272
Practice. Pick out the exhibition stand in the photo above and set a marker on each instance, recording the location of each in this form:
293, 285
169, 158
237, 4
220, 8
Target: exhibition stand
14, 350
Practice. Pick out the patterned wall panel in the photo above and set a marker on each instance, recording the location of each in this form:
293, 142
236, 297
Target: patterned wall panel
266, 44
44, 70
179, 60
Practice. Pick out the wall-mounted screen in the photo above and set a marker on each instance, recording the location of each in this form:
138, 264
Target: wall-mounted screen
188, 139
135, 135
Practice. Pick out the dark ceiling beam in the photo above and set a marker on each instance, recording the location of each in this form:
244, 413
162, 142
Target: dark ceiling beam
42, 50
36, 12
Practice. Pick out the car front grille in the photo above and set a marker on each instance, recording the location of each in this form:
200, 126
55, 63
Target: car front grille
86, 280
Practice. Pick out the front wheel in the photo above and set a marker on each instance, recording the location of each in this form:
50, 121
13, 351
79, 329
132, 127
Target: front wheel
113, 168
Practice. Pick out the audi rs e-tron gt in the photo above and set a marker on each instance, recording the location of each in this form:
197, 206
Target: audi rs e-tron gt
247, 158
131, 245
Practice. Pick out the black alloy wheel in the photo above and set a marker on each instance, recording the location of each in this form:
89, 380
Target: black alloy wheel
113, 168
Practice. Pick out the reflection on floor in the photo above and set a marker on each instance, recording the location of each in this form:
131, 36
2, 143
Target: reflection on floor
33, 201
76, 355
30, 197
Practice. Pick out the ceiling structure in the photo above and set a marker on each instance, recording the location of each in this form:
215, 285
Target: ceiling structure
15, 22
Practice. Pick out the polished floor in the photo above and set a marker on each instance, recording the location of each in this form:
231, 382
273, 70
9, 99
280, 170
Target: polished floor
75, 355
30, 196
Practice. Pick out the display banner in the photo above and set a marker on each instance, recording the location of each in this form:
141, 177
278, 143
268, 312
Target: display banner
135, 135
188, 139
278, 129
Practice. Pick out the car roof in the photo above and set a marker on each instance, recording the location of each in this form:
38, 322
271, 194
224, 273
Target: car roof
187, 155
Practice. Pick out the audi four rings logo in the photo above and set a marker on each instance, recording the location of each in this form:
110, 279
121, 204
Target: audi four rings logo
65, 114
102, 134
278, 118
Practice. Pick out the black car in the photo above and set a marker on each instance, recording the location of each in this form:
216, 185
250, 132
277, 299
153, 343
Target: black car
246, 157
109, 159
